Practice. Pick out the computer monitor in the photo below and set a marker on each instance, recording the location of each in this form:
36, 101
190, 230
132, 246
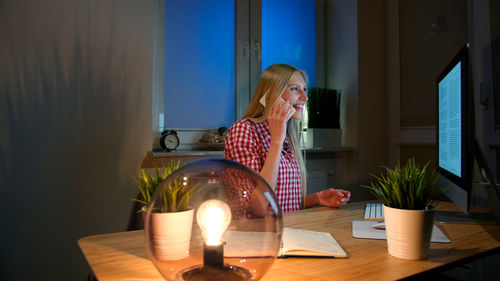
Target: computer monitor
454, 130
457, 145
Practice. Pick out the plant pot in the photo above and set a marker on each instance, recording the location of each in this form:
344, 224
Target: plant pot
408, 232
171, 234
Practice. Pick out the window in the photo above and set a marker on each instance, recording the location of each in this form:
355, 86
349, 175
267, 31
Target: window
289, 36
199, 63
208, 56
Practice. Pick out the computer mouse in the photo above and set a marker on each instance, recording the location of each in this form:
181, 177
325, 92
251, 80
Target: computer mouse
379, 225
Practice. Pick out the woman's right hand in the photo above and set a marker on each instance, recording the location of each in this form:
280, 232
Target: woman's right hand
277, 120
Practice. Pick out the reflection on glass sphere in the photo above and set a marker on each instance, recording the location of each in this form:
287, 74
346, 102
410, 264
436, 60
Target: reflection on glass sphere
237, 230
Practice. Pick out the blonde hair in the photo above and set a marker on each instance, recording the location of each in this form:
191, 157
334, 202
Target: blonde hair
272, 83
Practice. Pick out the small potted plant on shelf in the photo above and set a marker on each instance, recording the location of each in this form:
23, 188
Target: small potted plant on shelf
147, 184
409, 195
171, 215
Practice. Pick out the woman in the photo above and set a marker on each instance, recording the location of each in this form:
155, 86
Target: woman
267, 139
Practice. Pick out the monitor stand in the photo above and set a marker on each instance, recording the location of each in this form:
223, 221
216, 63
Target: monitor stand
492, 191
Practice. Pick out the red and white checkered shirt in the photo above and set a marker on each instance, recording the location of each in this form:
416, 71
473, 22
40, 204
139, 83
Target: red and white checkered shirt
248, 142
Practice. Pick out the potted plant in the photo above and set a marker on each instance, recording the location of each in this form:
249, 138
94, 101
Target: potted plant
147, 184
409, 196
171, 217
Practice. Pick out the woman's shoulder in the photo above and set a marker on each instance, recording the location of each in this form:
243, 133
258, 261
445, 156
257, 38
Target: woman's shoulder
245, 128
245, 133
243, 125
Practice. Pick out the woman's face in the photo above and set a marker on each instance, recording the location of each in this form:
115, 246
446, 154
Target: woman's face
296, 95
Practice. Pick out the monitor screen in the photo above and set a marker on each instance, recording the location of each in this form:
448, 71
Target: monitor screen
450, 121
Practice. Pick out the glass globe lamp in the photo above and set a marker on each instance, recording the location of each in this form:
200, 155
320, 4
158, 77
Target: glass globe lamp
213, 219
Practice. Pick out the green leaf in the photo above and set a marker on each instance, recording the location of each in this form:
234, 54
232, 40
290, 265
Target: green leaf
147, 184
408, 187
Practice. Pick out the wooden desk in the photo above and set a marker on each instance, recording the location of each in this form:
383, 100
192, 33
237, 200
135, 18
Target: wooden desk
123, 256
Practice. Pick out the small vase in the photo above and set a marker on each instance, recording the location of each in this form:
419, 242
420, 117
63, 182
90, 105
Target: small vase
409, 232
171, 234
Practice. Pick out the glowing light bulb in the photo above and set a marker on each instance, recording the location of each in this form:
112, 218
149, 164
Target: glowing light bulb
213, 217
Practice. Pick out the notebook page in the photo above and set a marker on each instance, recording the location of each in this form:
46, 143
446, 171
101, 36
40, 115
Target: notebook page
313, 241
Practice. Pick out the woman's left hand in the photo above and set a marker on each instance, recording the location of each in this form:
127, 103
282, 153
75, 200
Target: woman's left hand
334, 198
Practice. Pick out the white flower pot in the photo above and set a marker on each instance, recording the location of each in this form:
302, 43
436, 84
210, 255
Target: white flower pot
408, 232
171, 234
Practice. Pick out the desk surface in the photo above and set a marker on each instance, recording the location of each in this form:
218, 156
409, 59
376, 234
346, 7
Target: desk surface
123, 256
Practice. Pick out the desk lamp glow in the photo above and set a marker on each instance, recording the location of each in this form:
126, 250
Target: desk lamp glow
213, 217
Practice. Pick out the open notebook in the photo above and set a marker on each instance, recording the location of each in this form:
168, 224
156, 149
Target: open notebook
294, 243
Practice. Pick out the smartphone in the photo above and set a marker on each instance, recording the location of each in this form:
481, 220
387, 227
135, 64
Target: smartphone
281, 100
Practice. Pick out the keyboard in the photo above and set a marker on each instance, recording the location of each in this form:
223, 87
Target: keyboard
374, 211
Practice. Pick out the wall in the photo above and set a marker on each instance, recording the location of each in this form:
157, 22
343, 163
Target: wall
75, 124
355, 64
372, 88
485, 36
423, 55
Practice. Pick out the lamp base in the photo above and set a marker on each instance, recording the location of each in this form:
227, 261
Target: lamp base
208, 273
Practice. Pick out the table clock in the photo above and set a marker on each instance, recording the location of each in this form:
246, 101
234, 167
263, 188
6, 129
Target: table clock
169, 140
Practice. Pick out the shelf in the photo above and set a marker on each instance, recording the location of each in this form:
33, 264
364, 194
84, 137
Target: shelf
220, 153
158, 158
328, 150
188, 153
